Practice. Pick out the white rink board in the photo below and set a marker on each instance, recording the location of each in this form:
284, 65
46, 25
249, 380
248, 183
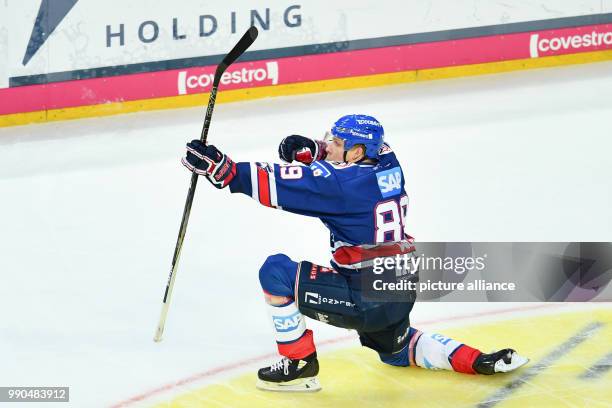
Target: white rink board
80, 40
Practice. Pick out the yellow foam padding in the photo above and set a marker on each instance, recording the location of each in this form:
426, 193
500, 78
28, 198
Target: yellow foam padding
301, 88
354, 377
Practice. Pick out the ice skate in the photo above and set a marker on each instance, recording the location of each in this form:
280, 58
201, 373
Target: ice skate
499, 362
290, 375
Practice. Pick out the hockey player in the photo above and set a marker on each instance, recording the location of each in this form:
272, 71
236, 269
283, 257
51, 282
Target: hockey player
354, 184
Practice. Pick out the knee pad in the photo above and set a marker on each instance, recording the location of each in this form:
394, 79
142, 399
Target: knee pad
277, 275
398, 359
402, 357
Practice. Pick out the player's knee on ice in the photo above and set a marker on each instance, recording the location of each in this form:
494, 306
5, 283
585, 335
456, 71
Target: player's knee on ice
401, 358
277, 275
398, 359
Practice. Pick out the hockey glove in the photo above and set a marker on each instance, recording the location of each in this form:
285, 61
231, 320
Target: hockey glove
302, 149
206, 160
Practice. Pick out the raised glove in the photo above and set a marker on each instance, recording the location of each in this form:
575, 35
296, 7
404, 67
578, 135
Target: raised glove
302, 149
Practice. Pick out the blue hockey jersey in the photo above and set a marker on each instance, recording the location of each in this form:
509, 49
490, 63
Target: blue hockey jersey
364, 206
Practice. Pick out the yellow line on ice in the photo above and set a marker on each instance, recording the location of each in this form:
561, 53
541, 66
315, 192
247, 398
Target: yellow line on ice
355, 377
184, 101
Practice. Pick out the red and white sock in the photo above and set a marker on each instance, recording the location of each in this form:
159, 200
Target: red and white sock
293, 339
434, 351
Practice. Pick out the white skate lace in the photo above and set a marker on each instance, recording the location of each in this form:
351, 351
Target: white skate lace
284, 364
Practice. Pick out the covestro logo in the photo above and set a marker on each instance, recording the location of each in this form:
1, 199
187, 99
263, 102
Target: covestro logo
190, 83
559, 44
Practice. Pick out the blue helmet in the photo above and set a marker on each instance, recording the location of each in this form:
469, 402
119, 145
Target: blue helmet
360, 129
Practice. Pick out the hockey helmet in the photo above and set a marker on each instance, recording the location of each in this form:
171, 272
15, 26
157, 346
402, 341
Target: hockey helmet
360, 129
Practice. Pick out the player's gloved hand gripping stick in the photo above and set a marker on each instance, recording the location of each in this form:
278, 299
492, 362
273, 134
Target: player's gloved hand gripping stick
245, 42
207, 160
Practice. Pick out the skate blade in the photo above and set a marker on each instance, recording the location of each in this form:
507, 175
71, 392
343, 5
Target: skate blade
310, 384
515, 362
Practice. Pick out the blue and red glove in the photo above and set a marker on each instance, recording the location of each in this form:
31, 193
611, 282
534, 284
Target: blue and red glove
207, 160
301, 149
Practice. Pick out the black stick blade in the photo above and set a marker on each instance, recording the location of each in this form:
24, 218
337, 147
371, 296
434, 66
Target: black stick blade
245, 42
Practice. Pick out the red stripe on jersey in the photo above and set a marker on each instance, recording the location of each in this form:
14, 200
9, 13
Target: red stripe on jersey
263, 179
348, 255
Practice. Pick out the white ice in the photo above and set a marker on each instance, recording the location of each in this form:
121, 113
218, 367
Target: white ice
90, 210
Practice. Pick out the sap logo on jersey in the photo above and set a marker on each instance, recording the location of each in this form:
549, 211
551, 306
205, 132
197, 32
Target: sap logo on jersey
390, 182
284, 324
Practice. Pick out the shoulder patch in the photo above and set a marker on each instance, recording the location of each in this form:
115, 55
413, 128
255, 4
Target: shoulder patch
319, 170
390, 182
384, 149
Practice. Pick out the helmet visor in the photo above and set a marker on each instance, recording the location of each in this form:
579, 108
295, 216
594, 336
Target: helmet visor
328, 137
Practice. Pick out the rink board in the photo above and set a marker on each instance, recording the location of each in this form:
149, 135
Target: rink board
570, 366
305, 74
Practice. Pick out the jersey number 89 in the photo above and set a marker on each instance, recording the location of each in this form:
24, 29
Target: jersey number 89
390, 220
291, 172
